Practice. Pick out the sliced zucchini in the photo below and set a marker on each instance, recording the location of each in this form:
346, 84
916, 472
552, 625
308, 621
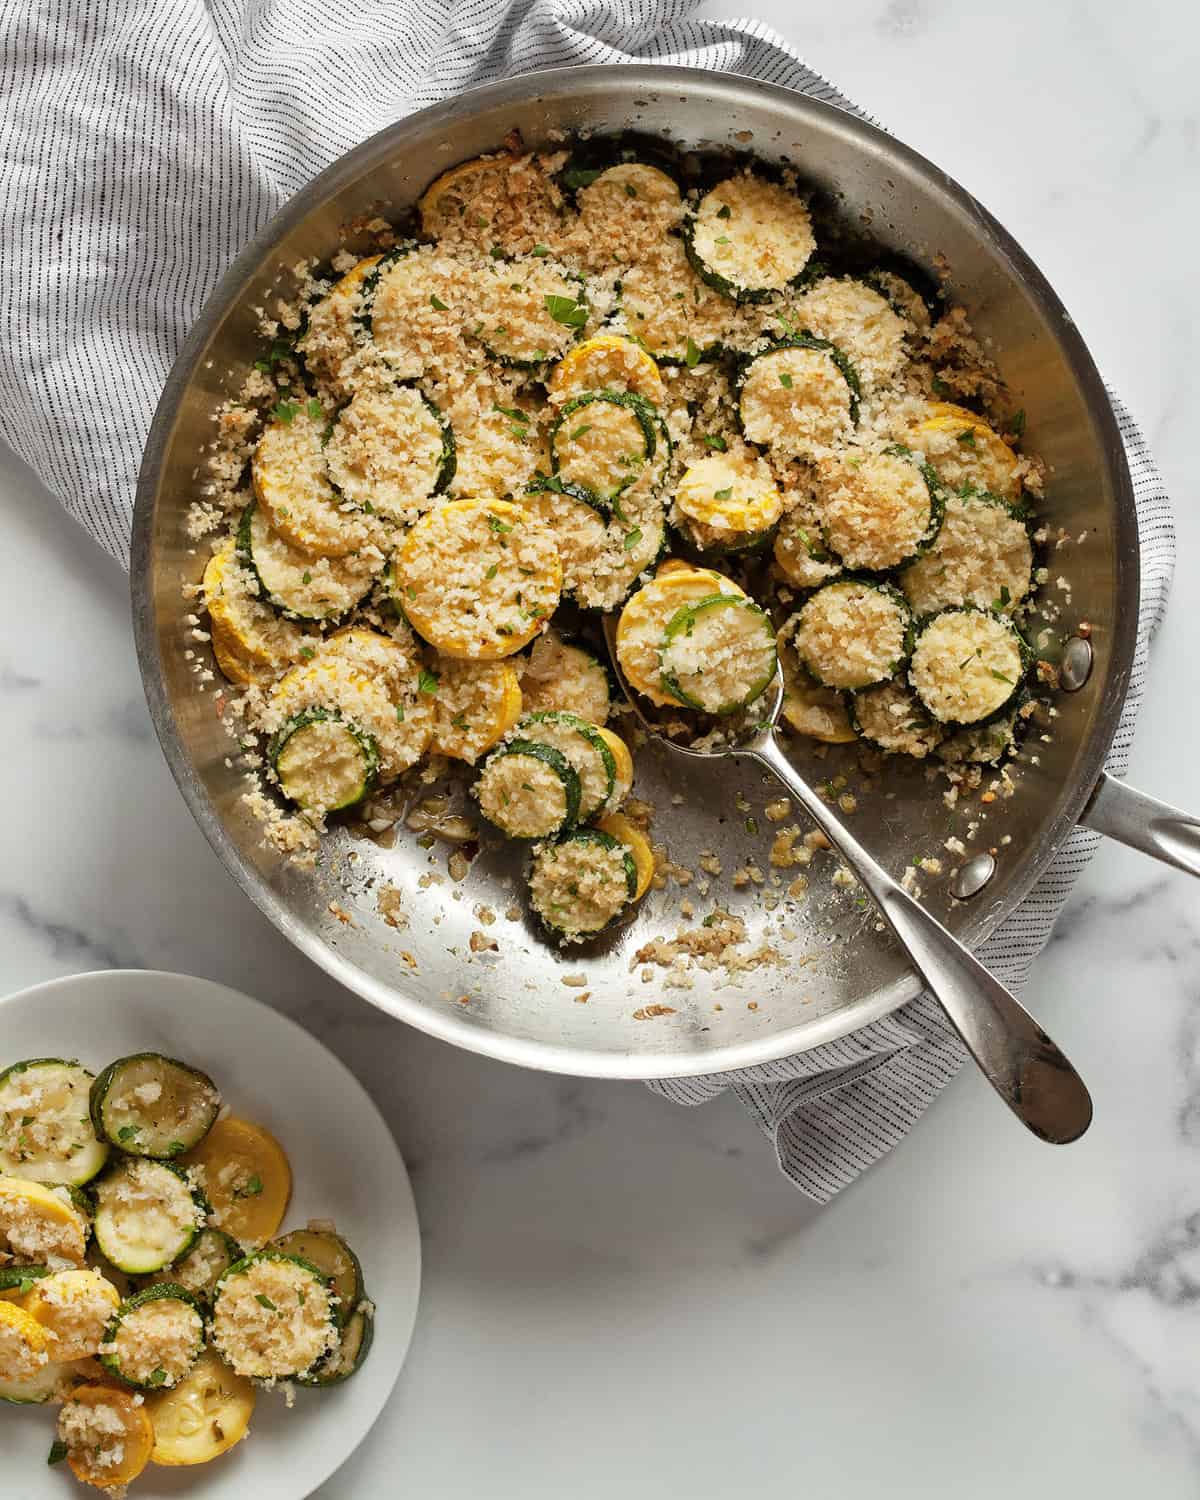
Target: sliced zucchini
602, 441
46, 1132
800, 552
968, 665
373, 681
982, 555
292, 486
665, 306
798, 398
476, 704
909, 292
580, 527
74, 1307
330, 346
530, 312
274, 1316
607, 362
410, 311
150, 1105
718, 654
205, 1415
890, 717
581, 884
585, 748
16, 1282
528, 790
353, 1345
982, 744
618, 826
478, 578
964, 450
390, 451
253, 632
247, 1179
853, 633
878, 510
727, 502
107, 1434
499, 440
635, 544
560, 674
154, 1338
749, 238
304, 587
323, 763
148, 1214
644, 620
39, 1223
859, 320
334, 1258
621, 191
205, 1263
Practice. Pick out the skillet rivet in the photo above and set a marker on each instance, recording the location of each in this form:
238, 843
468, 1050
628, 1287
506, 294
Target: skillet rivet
969, 879
1076, 665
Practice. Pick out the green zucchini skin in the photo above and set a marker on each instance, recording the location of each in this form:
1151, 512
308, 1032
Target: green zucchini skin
802, 340
595, 157
527, 727
647, 420
682, 620
163, 1291
364, 318
13, 1278
87, 1162
328, 1371
366, 744
244, 545
107, 1082
448, 462
230, 1248
120, 1259
340, 1246
240, 1267
561, 767
937, 514
551, 484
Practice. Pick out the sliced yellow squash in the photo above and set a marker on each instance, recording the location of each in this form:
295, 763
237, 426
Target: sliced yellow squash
607, 362
246, 1177
961, 447
38, 1222
108, 1434
74, 1307
329, 345
202, 1417
246, 630
293, 488
618, 826
644, 620
475, 706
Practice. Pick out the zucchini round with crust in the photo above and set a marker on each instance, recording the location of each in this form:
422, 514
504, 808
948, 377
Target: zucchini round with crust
606, 362
273, 1316
303, 587
478, 579
476, 704
580, 525
528, 790
878, 510
982, 555
749, 238
798, 398
562, 675
408, 317
625, 212
727, 502
148, 1214
643, 624
800, 552
602, 441
323, 763
154, 1338
253, 633
530, 312
585, 748
198, 1272
330, 347
666, 308
151, 1105
852, 633
968, 665
582, 883
861, 322
890, 717
333, 1257
718, 654
46, 1133
292, 485
390, 451
354, 1341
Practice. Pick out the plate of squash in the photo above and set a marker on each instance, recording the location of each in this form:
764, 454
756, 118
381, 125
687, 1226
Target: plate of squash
209, 1251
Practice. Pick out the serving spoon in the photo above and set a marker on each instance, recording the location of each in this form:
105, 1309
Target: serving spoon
1025, 1067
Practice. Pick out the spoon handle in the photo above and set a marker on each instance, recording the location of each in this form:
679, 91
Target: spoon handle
1015, 1055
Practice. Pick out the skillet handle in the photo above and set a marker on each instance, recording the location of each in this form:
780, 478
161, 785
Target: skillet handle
1144, 823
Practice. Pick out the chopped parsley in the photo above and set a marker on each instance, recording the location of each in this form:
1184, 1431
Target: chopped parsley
579, 431
541, 251
427, 682
724, 212
307, 653
159, 1377
399, 713
692, 353
630, 190
725, 494
1000, 677
251, 1188
785, 380
567, 310
492, 571
436, 303
284, 411
315, 410
580, 177
632, 538
264, 1301
127, 1132
497, 525
306, 576
717, 443
1016, 423
967, 437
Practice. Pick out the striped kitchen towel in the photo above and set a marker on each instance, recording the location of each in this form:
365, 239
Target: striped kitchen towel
145, 143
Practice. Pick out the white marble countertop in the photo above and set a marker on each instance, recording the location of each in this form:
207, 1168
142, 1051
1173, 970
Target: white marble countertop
624, 1297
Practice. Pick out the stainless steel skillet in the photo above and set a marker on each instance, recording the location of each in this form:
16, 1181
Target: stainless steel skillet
838, 974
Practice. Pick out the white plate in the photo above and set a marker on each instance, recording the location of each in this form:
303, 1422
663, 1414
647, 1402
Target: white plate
346, 1168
